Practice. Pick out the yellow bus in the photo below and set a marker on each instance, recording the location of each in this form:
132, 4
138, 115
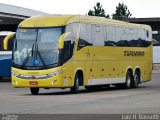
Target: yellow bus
68, 51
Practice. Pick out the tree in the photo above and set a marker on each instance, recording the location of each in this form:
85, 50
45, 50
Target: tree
98, 11
121, 12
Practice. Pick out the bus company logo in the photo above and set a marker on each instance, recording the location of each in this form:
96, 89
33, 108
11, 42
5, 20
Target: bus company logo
33, 73
134, 53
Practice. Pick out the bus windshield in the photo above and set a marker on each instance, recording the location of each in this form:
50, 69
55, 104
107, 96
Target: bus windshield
37, 47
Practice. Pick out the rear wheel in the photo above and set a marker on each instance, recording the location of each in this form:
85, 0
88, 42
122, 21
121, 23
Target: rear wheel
34, 91
136, 79
75, 88
129, 79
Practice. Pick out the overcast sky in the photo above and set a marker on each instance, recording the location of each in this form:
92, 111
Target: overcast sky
138, 8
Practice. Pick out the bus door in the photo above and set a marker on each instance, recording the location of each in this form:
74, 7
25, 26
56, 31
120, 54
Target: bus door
84, 50
97, 66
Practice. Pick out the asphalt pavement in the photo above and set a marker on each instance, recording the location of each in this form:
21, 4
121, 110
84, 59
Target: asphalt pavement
145, 99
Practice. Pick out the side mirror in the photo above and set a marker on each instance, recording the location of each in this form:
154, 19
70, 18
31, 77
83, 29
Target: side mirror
61, 40
6, 39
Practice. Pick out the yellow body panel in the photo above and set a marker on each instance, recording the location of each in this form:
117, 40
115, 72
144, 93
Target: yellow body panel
58, 79
45, 21
114, 64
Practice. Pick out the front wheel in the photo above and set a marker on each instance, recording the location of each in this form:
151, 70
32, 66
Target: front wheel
34, 91
75, 88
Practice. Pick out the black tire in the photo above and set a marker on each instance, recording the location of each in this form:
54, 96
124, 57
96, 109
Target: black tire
129, 80
34, 91
75, 88
136, 79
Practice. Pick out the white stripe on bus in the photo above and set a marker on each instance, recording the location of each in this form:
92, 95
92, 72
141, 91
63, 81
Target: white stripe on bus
101, 81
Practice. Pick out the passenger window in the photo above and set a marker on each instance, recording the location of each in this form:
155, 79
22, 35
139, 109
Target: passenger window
69, 41
126, 37
120, 38
85, 38
111, 36
98, 35
72, 28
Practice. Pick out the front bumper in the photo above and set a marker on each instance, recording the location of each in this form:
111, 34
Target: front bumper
56, 81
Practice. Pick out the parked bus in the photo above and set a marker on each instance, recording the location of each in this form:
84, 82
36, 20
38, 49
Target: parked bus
72, 51
5, 54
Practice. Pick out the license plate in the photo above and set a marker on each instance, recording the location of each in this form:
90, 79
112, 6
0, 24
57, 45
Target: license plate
33, 83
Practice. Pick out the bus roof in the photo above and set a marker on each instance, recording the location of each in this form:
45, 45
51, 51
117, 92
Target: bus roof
61, 20
46, 21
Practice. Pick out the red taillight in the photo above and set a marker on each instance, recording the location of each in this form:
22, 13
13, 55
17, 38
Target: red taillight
33, 83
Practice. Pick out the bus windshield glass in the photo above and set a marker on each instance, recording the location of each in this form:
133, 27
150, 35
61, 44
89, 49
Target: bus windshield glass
37, 47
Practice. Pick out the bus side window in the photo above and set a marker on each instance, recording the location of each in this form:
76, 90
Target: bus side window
98, 35
111, 36
85, 36
66, 50
69, 41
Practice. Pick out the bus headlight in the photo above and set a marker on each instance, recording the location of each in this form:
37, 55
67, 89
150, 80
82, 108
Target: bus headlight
55, 73
15, 74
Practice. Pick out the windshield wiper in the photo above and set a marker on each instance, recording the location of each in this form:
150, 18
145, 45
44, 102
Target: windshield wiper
28, 56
